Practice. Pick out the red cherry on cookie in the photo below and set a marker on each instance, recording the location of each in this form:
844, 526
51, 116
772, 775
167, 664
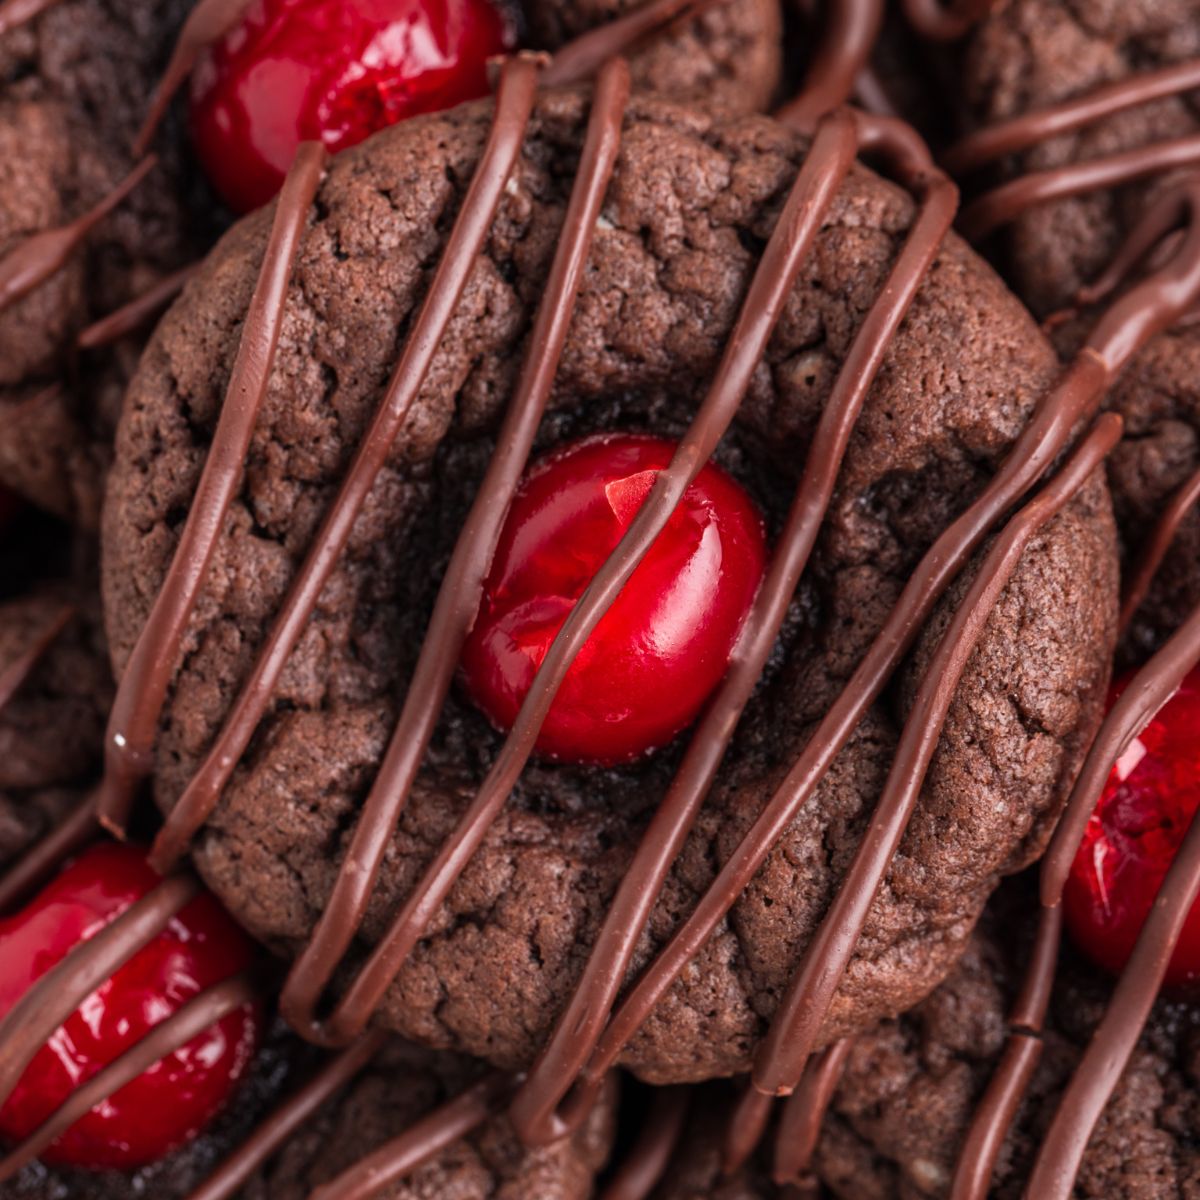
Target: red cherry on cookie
336, 70
663, 646
169, 1103
1131, 839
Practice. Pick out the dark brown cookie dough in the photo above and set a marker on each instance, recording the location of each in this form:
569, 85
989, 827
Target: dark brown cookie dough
1033, 53
909, 1088
690, 205
728, 59
74, 84
51, 729
401, 1085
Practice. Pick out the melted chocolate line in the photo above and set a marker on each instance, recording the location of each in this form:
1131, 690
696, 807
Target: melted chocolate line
1156, 547
1010, 200
644, 1167
808, 202
582, 1022
514, 104
132, 316
206, 23
58, 993
804, 1113
419, 1143
15, 13
744, 1132
461, 589
35, 259
22, 667
997, 1110
796, 1026
39, 862
851, 29
994, 142
287, 1119
133, 720
1117, 1034
578, 60
942, 22
177, 1030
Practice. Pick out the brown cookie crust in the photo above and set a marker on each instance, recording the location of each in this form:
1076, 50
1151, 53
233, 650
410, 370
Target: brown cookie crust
691, 202
909, 1088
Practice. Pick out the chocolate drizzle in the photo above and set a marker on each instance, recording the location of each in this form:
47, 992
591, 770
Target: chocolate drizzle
646, 1163
946, 22
800, 1123
129, 318
133, 722
35, 259
20, 669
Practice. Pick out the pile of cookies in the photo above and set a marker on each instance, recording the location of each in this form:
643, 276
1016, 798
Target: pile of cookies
599, 598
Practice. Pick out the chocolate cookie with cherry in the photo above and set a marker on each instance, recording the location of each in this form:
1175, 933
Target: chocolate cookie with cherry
1135, 65
170, 1125
691, 202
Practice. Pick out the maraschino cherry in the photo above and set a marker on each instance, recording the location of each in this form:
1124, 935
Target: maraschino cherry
171, 1101
335, 70
663, 646
1132, 837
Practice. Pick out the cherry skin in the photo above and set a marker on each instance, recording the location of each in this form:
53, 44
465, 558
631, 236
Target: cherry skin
663, 646
1132, 837
336, 70
173, 1100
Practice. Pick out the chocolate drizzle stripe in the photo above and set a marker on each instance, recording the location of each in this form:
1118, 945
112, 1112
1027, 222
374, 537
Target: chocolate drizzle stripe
798, 224
462, 586
177, 1030
20, 669
849, 34
208, 21
133, 721
582, 1022
1011, 200
39, 862
36, 258
286, 1120
745, 1129
1156, 547
582, 57
646, 1164
1116, 1036
1020, 133
804, 1112
796, 1026
132, 316
995, 1113
418, 1144
514, 104
60, 991
15, 13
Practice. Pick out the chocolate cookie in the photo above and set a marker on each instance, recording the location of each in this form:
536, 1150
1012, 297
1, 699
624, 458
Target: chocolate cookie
1032, 54
74, 83
909, 1089
689, 207
52, 653
400, 1085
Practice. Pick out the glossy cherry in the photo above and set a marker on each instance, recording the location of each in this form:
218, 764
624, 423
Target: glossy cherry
172, 1101
1131, 839
335, 70
656, 656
